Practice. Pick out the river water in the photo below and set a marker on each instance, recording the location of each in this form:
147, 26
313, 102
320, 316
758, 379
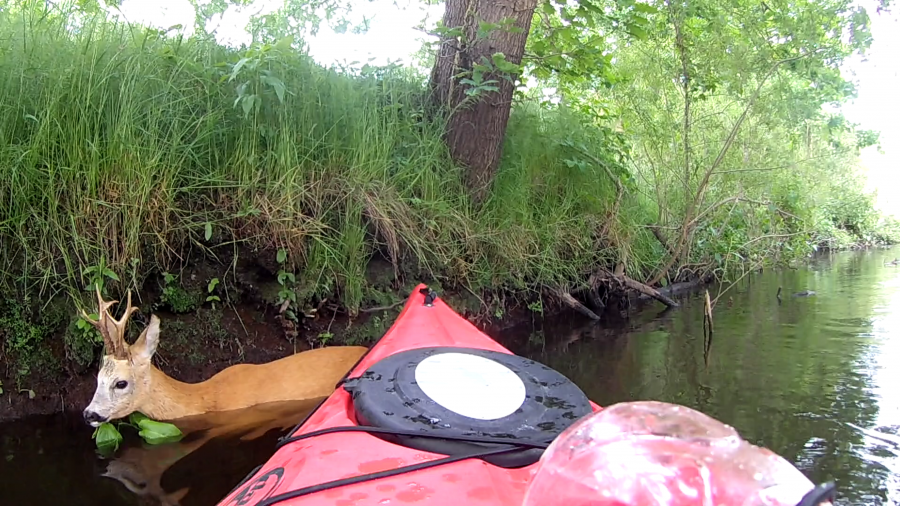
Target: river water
808, 377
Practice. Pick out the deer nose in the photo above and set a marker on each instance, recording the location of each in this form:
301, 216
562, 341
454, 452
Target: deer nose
92, 417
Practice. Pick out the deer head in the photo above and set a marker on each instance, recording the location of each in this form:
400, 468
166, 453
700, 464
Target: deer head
124, 376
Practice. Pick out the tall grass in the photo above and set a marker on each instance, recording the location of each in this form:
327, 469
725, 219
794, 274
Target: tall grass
125, 148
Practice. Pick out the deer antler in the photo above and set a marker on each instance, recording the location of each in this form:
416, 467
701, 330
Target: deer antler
112, 330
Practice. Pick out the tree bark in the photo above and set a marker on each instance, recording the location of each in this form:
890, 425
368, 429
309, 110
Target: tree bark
476, 129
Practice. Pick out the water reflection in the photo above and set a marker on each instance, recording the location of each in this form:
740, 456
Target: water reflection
807, 377
52, 460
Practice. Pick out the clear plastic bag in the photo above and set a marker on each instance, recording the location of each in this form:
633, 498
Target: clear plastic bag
651, 453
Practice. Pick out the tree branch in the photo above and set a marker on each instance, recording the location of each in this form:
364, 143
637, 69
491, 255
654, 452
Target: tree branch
687, 229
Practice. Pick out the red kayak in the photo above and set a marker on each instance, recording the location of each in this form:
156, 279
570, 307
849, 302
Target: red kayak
435, 413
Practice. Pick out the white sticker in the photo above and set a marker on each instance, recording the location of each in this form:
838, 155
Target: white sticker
470, 385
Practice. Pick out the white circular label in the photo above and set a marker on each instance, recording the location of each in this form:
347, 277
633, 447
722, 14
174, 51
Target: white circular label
470, 385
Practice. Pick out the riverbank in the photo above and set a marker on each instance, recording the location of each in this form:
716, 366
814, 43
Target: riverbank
199, 337
247, 325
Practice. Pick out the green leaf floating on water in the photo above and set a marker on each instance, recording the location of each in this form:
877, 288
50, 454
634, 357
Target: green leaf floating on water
155, 432
107, 437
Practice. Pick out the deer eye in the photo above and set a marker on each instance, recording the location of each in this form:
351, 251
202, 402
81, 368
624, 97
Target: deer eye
121, 384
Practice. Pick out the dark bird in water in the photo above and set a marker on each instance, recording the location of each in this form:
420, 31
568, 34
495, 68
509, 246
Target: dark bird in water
895, 261
804, 293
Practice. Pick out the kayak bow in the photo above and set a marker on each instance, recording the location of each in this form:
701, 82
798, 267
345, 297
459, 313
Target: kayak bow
436, 412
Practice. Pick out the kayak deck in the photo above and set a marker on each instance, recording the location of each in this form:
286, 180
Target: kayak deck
313, 465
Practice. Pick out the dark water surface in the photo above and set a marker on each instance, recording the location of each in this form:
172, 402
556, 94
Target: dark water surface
812, 378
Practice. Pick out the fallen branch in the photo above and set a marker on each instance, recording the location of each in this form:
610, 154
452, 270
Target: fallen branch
683, 286
574, 304
646, 290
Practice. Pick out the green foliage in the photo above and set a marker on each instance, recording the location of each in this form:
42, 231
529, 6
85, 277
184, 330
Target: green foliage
177, 298
98, 275
287, 281
25, 336
327, 167
81, 340
729, 136
571, 44
210, 292
108, 438
154, 432
164, 143
888, 230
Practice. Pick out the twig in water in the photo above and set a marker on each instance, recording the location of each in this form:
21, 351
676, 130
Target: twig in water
707, 327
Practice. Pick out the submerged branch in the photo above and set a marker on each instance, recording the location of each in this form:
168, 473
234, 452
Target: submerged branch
646, 290
574, 304
635, 285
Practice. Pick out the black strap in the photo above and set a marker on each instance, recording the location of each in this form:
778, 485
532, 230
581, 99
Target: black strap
515, 446
374, 476
412, 433
245, 480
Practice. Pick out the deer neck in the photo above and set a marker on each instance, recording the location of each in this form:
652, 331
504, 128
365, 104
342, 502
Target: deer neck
170, 399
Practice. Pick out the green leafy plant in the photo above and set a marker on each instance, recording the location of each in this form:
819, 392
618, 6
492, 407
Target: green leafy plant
98, 274
325, 337
154, 432
107, 436
176, 297
87, 330
210, 295
287, 280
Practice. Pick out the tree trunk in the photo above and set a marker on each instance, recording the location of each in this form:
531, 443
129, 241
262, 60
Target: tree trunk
475, 129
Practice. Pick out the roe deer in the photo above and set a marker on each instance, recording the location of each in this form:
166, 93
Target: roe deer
128, 381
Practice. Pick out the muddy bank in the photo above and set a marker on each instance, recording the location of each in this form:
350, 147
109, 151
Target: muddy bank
204, 330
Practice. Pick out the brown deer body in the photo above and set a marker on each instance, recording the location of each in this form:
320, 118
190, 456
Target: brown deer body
128, 381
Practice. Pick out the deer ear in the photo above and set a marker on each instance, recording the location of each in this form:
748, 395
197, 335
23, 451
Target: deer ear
145, 346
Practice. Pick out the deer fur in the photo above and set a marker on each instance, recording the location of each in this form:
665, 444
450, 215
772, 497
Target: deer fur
128, 381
